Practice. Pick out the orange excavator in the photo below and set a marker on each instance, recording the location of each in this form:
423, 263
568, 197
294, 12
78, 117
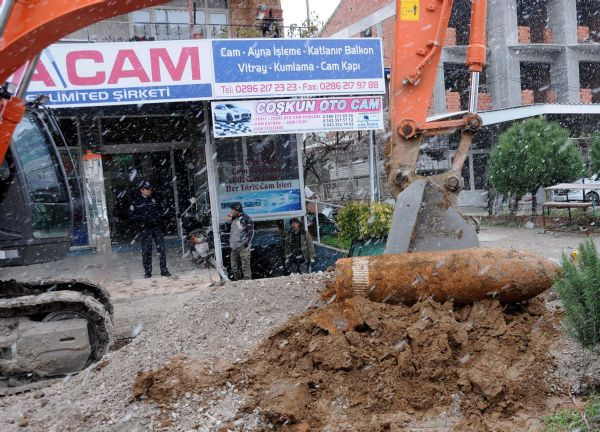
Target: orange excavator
53, 327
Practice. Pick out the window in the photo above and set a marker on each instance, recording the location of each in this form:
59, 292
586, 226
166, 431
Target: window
533, 14
218, 18
45, 182
178, 17
200, 17
211, 18
466, 174
480, 171
141, 23
172, 24
141, 16
536, 83
217, 4
39, 163
144, 130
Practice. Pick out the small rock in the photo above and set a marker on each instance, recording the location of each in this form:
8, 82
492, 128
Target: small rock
481, 405
23, 421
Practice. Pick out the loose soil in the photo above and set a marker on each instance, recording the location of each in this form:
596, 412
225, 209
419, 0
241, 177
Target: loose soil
268, 355
363, 366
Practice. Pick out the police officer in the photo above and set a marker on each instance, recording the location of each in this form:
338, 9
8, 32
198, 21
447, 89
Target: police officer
146, 212
241, 232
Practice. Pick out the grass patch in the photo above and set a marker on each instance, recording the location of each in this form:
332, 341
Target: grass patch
337, 242
503, 223
571, 420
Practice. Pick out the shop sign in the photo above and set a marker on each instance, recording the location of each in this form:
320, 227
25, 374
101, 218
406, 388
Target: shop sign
263, 199
264, 176
257, 68
279, 116
131, 73
79, 75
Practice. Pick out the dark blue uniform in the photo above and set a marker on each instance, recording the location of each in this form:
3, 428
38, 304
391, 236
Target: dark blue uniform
147, 214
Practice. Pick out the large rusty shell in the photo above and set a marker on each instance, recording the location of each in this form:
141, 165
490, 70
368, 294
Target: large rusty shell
463, 276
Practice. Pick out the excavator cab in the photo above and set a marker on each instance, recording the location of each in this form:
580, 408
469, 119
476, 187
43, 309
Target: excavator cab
36, 205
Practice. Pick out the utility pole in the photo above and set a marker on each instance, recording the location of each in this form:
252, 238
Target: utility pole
307, 14
372, 167
192, 17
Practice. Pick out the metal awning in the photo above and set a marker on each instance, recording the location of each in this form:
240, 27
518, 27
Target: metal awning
522, 112
575, 186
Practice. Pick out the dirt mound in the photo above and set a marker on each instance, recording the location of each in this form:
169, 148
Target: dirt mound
211, 324
364, 366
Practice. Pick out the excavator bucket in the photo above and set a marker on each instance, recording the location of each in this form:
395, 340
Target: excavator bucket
425, 220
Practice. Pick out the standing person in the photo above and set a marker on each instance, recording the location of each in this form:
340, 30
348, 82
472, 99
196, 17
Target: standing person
241, 232
146, 212
299, 248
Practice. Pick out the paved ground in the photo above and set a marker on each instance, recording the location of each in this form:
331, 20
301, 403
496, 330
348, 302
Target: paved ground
140, 301
137, 301
550, 244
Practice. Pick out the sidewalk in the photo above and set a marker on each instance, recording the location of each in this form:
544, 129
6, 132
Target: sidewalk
121, 273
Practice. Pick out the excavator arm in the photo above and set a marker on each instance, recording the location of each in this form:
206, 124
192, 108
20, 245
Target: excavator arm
425, 218
29, 26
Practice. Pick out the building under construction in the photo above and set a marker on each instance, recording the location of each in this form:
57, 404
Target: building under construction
543, 59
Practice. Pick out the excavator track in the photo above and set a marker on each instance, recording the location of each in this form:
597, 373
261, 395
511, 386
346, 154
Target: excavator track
44, 300
12, 288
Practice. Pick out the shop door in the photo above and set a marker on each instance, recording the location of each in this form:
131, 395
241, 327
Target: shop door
122, 174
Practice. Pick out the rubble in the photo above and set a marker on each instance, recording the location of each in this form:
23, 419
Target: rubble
217, 326
364, 366
267, 355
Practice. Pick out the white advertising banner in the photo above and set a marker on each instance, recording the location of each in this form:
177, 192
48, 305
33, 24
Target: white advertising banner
269, 117
80, 75
126, 73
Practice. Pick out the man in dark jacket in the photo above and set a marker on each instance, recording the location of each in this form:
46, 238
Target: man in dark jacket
299, 249
241, 232
146, 213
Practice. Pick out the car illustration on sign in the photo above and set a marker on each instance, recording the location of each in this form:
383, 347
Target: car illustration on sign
231, 113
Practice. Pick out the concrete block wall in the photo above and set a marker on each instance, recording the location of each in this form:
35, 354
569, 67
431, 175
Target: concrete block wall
505, 56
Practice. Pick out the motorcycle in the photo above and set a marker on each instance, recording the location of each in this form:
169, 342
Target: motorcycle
199, 246
198, 235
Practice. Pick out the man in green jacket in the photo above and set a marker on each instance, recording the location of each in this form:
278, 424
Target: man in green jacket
299, 249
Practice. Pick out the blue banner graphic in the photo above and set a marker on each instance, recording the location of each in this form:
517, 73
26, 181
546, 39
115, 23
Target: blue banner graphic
126, 95
285, 67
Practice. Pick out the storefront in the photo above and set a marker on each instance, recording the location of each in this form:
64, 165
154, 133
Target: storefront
133, 111
161, 143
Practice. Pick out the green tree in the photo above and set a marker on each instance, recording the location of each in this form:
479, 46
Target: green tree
308, 28
532, 154
595, 153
